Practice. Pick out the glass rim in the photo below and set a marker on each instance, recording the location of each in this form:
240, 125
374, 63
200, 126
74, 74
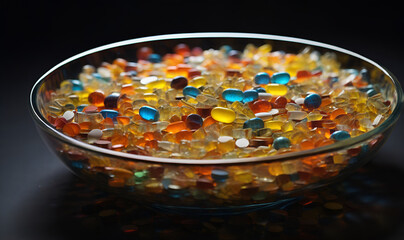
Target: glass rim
42, 122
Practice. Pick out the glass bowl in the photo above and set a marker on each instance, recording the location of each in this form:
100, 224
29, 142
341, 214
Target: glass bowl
175, 184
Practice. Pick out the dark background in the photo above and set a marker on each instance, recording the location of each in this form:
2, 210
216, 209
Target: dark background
35, 36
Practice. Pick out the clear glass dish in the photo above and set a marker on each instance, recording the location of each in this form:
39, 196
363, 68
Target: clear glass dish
174, 184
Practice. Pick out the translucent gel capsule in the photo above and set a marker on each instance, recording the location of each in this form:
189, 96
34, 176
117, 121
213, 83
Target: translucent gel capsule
242, 133
71, 129
239, 108
297, 115
233, 94
194, 121
254, 123
280, 78
77, 85
149, 113
261, 106
179, 83
175, 127
191, 91
96, 98
111, 101
224, 115
262, 78
281, 142
197, 82
274, 125
312, 101
335, 113
226, 145
108, 113
250, 95
340, 135
314, 116
276, 89
158, 84
279, 102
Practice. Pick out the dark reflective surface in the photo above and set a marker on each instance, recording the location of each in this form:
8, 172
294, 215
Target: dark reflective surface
40, 199
367, 205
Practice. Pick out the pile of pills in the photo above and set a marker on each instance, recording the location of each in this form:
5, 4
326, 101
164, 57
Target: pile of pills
217, 104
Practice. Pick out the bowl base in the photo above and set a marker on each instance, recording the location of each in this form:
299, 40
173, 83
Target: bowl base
230, 210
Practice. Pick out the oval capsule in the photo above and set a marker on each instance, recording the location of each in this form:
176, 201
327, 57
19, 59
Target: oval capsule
233, 94
224, 115
276, 89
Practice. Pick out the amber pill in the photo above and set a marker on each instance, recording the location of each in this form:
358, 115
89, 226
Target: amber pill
71, 129
96, 98
260, 106
183, 135
280, 102
175, 127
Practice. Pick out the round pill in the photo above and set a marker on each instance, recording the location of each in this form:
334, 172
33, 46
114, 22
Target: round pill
224, 139
179, 82
224, 115
299, 101
111, 101
94, 134
281, 142
68, 115
154, 58
242, 143
312, 101
191, 91
234, 54
262, 78
147, 80
340, 135
280, 78
77, 85
219, 174
108, 113
194, 121
254, 123
149, 113
96, 98
250, 95
233, 94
